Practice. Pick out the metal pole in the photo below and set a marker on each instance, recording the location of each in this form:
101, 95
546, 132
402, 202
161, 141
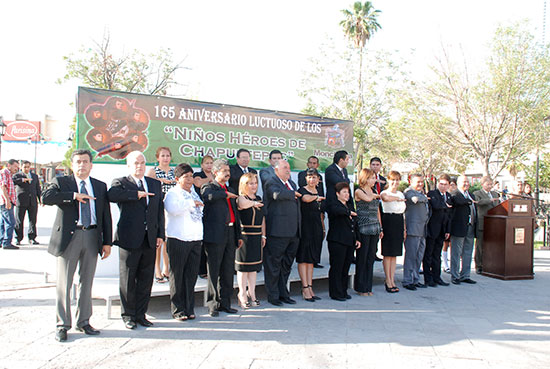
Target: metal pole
537, 179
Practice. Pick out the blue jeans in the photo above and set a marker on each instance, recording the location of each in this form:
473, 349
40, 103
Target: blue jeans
7, 223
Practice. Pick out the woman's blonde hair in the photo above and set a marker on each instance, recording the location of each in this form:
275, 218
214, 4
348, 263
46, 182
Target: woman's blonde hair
364, 175
245, 179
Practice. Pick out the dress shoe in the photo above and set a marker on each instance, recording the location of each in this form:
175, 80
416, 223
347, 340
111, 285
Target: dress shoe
431, 284
61, 335
88, 329
10, 247
18, 243
318, 266
455, 281
442, 283
420, 285
228, 310
469, 281
348, 296
214, 313
275, 302
144, 322
376, 258
129, 323
35, 242
410, 287
339, 298
479, 270
287, 300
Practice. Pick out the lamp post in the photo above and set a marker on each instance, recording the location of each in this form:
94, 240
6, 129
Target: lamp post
2, 133
546, 122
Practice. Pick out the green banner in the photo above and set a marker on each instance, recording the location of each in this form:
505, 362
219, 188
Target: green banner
112, 124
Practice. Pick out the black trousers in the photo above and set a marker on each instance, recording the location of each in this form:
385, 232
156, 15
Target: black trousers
279, 254
137, 268
221, 268
184, 259
431, 264
340, 256
20, 221
364, 263
203, 269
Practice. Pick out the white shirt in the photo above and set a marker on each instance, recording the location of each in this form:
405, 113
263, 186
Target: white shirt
394, 207
183, 218
90, 190
245, 170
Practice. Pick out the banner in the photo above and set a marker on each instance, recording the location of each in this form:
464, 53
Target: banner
112, 124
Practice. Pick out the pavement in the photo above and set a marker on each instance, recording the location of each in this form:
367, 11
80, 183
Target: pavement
492, 324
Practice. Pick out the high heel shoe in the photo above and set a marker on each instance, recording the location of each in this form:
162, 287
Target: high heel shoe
244, 305
310, 299
315, 297
388, 289
253, 302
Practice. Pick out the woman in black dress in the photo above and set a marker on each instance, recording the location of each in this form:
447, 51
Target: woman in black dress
312, 206
248, 257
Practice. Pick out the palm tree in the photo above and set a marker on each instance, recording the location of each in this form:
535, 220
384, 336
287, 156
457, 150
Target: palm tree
359, 26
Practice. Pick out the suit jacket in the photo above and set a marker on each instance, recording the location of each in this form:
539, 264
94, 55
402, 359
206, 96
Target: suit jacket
265, 175
137, 220
342, 228
333, 175
302, 183
417, 214
236, 173
27, 193
283, 217
61, 192
484, 204
216, 213
461, 214
440, 220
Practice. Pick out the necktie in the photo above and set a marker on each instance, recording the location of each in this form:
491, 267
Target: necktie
231, 216
245, 170
287, 186
85, 213
143, 200
377, 184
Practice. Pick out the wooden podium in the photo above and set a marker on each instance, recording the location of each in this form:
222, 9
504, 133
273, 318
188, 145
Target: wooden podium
508, 240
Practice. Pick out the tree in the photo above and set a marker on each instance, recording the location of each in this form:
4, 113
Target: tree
359, 25
329, 90
98, 67
498, 113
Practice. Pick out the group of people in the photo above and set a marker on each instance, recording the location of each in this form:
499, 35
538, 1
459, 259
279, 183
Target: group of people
20, 192
214, 222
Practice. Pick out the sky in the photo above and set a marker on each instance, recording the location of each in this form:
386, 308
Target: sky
249, 53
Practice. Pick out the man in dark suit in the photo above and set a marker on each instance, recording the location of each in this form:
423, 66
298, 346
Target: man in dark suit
335, 173
140, 231
486, 200
463, 225
312, 162
269, 172
283, 222
27, 190
222, 234
439, 229
237, 170
376, 167
82, 229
